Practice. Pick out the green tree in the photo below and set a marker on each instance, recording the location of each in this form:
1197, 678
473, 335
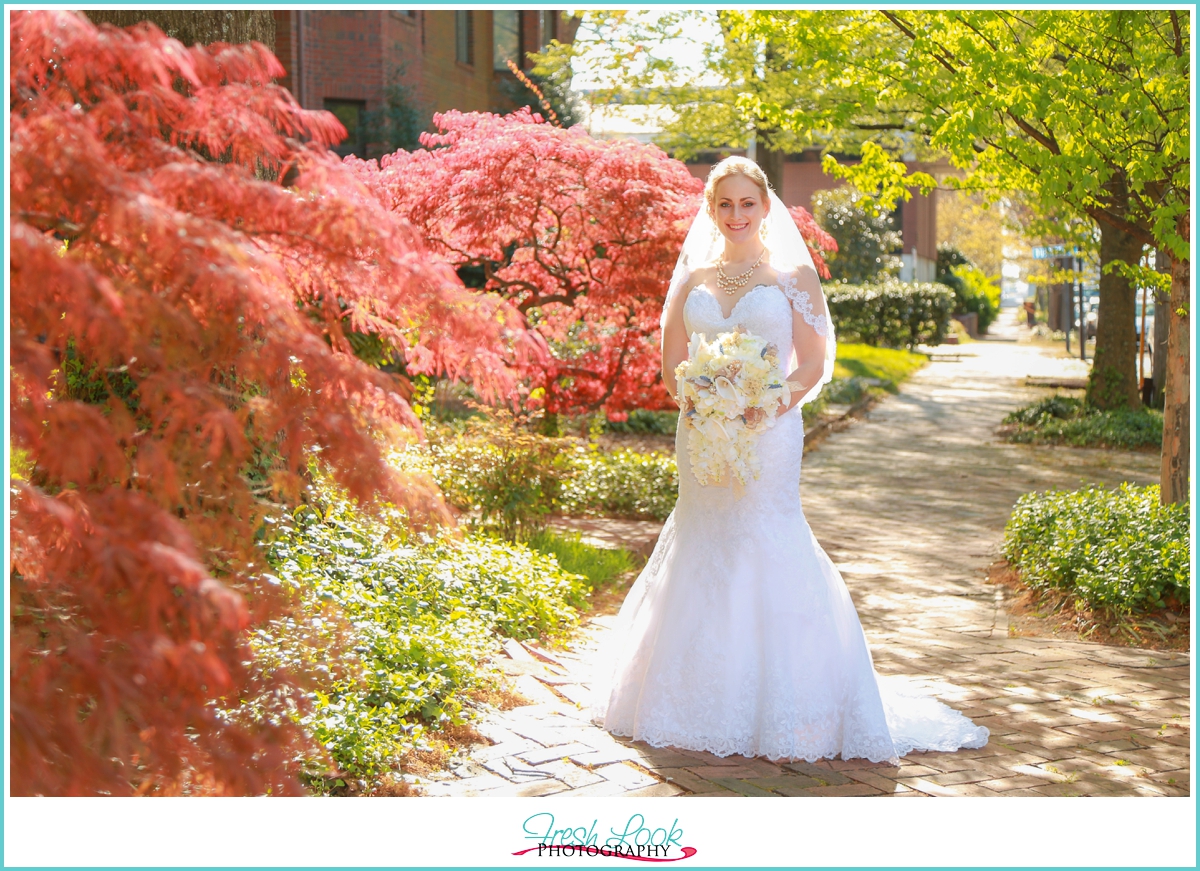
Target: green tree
1087, 110
638, 54
399, 122
866, 237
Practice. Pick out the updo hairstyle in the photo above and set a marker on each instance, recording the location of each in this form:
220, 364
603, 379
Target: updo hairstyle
735, 166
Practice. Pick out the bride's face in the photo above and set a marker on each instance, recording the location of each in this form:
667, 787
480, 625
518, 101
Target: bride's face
738, 208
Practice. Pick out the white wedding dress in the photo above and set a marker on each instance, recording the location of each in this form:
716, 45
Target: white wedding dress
740, 637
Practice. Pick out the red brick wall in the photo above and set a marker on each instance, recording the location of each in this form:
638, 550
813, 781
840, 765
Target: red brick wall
349, 55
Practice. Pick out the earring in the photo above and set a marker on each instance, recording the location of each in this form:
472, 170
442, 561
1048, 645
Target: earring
762, 230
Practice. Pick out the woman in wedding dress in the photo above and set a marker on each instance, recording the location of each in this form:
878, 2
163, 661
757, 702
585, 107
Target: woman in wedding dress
739, 636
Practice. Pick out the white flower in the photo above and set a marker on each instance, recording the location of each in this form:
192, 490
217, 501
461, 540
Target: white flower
729, 390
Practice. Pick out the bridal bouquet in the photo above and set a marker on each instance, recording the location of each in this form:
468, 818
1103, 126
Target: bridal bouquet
729, 391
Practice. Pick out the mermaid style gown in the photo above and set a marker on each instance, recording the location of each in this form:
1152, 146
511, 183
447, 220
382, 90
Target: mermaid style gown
739, 636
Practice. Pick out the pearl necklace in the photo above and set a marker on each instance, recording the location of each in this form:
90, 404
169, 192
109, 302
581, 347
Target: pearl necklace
732, 284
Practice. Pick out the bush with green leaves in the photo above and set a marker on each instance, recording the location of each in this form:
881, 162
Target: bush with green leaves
622, 483
866, 238
1067, 420
493, 465
892, 314
1120, 549
394, 625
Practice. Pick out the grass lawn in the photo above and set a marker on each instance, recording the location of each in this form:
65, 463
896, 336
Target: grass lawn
598, 564
889, 365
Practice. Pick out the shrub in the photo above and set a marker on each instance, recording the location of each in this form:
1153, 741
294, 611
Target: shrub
978, 294
494, 465
1067, 420
395, 626
1117, 549
621, 483
893, 314
865, 239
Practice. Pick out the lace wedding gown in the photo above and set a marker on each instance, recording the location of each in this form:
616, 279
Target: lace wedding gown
739, 636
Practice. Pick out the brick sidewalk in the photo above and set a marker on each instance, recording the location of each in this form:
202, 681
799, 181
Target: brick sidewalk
911, 505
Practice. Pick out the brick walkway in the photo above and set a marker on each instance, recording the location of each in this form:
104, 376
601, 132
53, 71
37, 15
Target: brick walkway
911, 505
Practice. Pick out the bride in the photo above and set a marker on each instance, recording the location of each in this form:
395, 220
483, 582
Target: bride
739, 636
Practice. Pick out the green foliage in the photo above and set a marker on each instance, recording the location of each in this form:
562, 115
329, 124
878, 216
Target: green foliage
495, 466
973, 290
552, 78
644, 422
399, 122
395, 626
893, 314
866, 237
598, 564
1073, 106
1066, 420
84, 381
622, 483
979, 294
1115, 549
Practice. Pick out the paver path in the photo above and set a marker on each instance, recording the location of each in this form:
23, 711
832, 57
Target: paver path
911, 504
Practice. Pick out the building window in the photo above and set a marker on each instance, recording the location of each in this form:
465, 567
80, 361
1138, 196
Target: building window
406, 15
464, 37
549, 28
350, 113
506, 38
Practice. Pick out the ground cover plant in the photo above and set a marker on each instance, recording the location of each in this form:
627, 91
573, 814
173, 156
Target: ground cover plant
621, 483
394, 627
1115, 550
1067, 420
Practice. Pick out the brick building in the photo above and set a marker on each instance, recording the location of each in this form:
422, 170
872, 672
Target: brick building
344, 60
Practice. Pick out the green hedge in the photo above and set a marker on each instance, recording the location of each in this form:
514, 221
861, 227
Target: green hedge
1116, 549
892, 314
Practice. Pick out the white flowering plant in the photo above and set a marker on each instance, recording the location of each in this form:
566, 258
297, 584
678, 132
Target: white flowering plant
730, 391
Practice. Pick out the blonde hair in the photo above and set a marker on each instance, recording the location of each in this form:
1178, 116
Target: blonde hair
735, 166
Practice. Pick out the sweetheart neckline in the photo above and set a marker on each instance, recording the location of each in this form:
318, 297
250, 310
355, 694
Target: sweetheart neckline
741, 299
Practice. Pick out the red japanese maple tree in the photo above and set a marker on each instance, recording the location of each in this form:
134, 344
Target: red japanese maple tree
179, 357
580, 234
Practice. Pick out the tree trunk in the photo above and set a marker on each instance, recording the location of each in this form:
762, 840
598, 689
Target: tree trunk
770, 160
193, 27
1113, 382
1176, 446
1162, 323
